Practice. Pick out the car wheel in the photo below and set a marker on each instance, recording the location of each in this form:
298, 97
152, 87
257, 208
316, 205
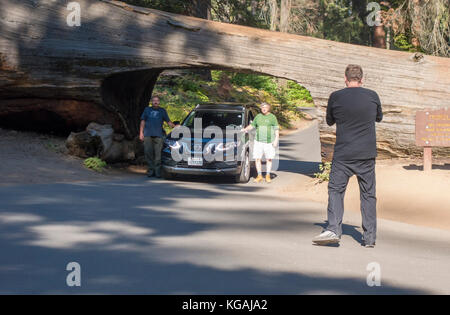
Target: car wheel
167, 175
244, 176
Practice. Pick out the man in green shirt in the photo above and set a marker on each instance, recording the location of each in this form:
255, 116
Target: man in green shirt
267, 136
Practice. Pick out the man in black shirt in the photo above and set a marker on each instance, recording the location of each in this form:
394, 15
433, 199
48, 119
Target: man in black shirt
354, 110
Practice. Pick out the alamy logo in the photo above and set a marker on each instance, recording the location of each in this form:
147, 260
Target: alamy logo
74, 17
74, 277
374, 17
212, 143
374, 276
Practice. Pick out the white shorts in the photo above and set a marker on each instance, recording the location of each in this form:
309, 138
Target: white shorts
262, 148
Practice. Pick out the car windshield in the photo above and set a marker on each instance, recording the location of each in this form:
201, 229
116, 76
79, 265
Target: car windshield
214, 118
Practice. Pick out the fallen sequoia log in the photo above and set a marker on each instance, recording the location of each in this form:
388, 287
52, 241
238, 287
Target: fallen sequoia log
113, 59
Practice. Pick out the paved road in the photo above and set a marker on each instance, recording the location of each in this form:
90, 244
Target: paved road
139, 235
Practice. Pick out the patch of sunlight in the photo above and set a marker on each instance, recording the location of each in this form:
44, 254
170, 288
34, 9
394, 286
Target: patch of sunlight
18, 218
76, 234
38, 200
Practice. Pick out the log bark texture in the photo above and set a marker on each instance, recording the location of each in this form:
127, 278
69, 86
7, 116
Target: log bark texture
114, 57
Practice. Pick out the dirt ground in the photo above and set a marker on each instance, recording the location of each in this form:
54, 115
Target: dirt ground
32, 158
405, 192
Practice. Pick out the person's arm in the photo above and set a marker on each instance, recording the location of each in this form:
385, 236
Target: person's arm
251, 126
247, 129
277, 133
167, 119
379, 110
330, 118
141, 130
142, 125
277, 138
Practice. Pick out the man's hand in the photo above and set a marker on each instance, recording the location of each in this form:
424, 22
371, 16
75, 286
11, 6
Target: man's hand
171, 124
247, 129
141, 130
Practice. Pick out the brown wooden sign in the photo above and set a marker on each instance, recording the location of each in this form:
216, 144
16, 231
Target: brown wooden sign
433, 128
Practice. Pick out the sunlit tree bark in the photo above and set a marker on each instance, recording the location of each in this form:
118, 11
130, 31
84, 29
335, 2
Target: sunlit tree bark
285, 13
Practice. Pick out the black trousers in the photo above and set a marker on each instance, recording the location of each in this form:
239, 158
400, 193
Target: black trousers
340, 173
152, 150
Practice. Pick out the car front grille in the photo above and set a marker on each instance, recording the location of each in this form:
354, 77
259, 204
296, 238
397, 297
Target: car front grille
207, 165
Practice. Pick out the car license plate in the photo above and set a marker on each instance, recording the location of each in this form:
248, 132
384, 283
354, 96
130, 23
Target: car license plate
195, 161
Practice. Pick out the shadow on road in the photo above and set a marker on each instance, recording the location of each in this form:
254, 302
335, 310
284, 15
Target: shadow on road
118, 233
416, 167
299, 167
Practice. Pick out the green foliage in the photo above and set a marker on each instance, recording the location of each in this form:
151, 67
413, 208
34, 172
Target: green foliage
95, 164
180, 94
290, 94
284, 98
242, 12
403, 42
188, 83
324, 174
259, 82
422, 26
215, 75
337, 20
343, 23
296, 92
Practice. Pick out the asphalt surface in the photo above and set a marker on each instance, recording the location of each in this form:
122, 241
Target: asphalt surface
197, 236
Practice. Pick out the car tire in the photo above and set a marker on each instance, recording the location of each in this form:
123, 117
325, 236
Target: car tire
167, 175
244, 175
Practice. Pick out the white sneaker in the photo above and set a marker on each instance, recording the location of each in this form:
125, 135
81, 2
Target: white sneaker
325, 238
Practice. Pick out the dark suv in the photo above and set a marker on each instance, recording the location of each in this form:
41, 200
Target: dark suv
209, 142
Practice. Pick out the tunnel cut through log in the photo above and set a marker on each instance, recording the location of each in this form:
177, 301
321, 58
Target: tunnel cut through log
128, 93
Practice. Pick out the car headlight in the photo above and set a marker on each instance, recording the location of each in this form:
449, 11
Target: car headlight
173, 144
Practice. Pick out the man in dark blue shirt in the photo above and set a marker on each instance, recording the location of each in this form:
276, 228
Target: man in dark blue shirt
152, 133
354, 110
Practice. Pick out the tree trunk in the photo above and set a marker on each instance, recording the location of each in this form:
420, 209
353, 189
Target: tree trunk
202, 9
360, 6
285, 14
114, 58
379, 37
273, 4
254, 6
